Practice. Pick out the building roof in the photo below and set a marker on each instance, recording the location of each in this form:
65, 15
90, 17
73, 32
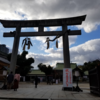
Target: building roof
36, 72
60, 66
4, 60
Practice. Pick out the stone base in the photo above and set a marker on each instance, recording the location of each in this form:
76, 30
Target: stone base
67, 88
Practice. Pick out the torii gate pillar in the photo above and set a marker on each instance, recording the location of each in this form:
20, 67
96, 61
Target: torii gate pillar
15, 49
66, 54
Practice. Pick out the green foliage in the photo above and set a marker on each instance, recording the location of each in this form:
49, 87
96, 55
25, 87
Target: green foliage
90, 65
46, 69
23, 63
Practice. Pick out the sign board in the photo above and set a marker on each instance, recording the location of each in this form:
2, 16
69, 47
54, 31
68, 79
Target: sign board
67, 77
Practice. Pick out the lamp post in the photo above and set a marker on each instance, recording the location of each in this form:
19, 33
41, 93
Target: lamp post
77, 74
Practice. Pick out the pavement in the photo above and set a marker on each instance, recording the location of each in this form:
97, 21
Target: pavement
27, 91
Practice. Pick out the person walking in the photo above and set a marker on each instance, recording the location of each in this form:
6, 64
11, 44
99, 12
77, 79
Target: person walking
16, 81
10, 79
36, 81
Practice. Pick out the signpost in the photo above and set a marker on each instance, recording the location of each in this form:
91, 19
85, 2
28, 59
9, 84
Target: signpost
67, 78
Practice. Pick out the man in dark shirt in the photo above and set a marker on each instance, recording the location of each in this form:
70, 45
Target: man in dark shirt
10, 79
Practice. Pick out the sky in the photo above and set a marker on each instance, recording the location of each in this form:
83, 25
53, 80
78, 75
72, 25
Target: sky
83, 48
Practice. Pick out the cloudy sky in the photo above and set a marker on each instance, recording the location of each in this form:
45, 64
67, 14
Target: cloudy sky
85, 47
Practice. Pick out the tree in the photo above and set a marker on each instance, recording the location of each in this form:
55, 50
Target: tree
90, 65
23, 63
46, 69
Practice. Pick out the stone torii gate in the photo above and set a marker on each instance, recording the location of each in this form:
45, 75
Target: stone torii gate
64, 22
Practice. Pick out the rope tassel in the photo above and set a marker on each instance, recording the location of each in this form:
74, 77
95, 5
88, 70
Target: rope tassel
47, 45
24, 46
47, 40
56, 43
28, 45
26, 42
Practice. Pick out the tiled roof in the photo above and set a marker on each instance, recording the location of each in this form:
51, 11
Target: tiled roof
60, 66
4, 60
36, 72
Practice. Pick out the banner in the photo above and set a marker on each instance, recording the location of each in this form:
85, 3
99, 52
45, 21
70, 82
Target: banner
67, 77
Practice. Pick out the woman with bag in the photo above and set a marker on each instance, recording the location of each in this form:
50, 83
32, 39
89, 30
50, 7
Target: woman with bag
16, 81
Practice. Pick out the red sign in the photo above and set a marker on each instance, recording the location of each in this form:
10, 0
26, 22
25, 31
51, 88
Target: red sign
67, 77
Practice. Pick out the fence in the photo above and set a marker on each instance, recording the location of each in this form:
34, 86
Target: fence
94, 80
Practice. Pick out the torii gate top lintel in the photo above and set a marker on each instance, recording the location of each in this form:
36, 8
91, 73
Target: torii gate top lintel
47, 22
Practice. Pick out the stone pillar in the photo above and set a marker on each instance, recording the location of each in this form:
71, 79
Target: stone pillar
66, 54
15, 50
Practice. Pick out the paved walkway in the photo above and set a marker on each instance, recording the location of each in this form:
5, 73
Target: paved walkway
52, 92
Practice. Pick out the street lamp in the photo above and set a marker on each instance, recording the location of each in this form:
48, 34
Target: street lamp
77, 74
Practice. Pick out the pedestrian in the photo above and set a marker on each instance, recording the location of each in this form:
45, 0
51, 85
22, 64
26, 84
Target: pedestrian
10, 79
16, 81
36, 81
